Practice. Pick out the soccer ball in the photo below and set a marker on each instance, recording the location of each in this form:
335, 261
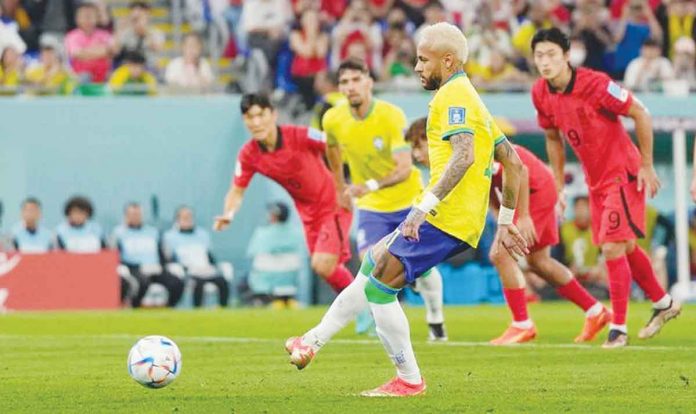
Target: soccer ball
154, 361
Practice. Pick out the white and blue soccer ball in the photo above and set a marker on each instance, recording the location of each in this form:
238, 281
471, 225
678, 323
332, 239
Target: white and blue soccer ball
154, 361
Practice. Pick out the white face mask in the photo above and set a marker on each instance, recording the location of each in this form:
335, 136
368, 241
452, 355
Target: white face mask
577, 56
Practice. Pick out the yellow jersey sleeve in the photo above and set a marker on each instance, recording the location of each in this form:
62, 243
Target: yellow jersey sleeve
397, 128
453, 118
497, 133
327, 123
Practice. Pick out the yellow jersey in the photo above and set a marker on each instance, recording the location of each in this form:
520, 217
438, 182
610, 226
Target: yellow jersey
457, 108
368, 145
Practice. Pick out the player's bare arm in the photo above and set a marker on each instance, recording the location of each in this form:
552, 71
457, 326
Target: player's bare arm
647, 177
233, 200
400, 173
555, 148
462, 158
508, 235
335, 159
524, 220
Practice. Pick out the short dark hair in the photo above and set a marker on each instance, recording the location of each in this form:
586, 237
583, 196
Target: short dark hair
80, 203
352, 64
139, 5
553, 35
31, 200
255, 99
133, 56
280, 210
651, 42
416, 130
580, 198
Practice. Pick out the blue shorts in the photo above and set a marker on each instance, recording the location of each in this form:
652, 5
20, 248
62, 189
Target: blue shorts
373, 226
417, 257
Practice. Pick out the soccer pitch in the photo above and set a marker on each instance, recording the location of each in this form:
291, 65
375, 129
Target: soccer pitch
234, 362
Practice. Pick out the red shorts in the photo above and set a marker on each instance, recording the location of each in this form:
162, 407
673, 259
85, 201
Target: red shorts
330, 234
618, 213
542, 210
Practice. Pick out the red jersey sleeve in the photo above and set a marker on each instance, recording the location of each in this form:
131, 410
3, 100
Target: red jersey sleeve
543, 119
612, 96
243, 169
311, 138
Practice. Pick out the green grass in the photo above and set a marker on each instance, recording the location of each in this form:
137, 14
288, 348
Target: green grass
76, 362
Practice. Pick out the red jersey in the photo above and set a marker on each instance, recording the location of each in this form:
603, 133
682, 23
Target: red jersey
297, 165
587, 113
540, 175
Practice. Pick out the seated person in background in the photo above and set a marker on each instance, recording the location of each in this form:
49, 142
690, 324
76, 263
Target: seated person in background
78, 233
275, 250
10, 69
49, 75
576, 248
132, 78
88, 48
136, 34
499, 70
188, 246
647, 71
28, 236
141, 261
190, 72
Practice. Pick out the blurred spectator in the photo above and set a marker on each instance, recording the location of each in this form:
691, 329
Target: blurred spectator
276, 253
13, 13
326, 86
141, 260
415, 8
433, 13
499, 71
28, 236
538, 17
591, 27
53, 18
133, 78
49, 75
577, 52
680, 22
78, 233
684, 61
648, 70
310, 46
89, 49
577, 251
616, 7
488, 39
657, 225
357, 36
399, 49
265, 24
10, 70
380, 8
188, 246
233, 15
190, 72
9, 37
463, 13
637, 24
137, 35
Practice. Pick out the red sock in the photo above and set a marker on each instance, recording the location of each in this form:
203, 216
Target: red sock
644, 274
619, 288
517, 303
574, 292
340, 278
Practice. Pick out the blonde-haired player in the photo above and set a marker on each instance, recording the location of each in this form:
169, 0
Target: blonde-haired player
447, 218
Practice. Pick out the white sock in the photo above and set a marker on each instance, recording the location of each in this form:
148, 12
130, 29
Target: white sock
430, 288
663, 303
594, 310
623, 328
523, 324
393, 331
343, 310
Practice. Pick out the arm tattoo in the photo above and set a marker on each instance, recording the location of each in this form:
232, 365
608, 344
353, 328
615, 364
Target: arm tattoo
512, 165
462, 158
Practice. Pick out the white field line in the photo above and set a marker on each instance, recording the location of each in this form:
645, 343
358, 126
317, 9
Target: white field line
460, 344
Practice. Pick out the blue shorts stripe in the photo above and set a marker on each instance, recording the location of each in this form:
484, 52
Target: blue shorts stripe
381, 286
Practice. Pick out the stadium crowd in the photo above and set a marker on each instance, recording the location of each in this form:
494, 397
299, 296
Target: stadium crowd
64, 47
